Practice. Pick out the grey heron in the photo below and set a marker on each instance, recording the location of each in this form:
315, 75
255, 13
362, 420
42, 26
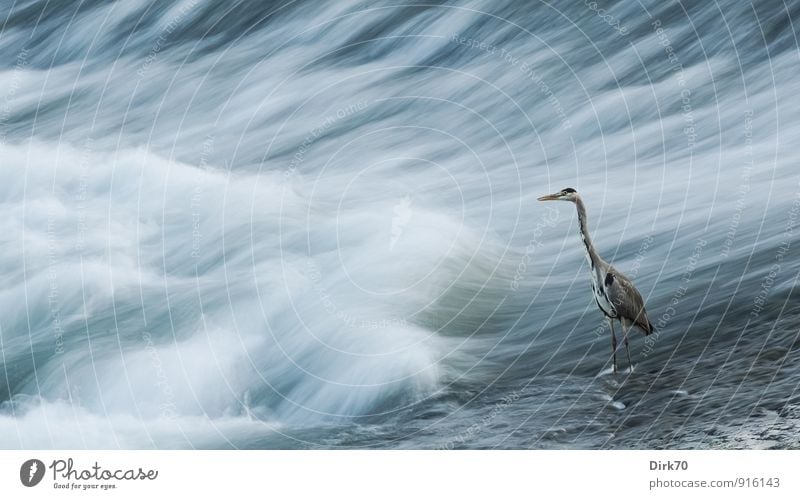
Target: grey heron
614, 293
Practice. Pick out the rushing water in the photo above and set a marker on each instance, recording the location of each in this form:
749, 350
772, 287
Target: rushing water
260, 224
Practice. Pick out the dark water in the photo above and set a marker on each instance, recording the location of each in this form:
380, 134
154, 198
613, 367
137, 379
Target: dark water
263, 224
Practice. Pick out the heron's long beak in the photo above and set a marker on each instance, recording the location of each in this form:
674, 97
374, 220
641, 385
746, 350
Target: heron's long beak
550, 197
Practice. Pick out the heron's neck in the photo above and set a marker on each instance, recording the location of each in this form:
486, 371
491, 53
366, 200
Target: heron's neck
591, 255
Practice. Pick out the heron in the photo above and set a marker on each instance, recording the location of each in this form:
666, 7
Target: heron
613, 291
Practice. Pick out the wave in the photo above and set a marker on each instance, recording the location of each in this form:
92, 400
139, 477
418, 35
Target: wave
252, 219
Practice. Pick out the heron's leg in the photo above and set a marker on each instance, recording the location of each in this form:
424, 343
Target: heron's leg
613, 343
625, 331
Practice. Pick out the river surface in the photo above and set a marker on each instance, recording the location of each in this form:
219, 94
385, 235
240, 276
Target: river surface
258, 224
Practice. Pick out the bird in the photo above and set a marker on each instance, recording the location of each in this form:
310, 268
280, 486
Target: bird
613, 291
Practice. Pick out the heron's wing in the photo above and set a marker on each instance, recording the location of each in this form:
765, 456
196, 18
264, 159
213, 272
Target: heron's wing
626, 299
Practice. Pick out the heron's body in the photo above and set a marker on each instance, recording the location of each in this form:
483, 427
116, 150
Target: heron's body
600, 294
614, 293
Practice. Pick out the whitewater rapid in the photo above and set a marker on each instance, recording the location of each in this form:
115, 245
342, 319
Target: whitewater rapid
315, 225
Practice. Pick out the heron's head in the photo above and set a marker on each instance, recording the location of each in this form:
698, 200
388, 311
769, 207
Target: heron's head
568, 194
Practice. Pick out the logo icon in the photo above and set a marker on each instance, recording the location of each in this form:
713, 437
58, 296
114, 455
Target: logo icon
31, 472
402, 214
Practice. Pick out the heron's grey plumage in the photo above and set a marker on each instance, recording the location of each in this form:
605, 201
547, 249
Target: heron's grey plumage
626, 299
613, 292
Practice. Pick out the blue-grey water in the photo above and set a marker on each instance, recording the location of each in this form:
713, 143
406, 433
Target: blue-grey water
257, 224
